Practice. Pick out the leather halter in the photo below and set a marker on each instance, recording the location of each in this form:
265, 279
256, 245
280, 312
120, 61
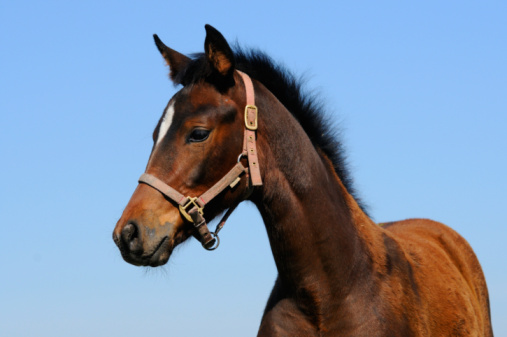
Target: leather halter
192, 208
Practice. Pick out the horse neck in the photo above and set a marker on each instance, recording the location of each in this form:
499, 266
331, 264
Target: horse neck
318, 234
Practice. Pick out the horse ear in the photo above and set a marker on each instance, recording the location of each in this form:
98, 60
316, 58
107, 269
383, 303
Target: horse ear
176, 61
218, 52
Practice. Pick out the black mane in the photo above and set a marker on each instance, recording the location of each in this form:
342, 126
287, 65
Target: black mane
305, 107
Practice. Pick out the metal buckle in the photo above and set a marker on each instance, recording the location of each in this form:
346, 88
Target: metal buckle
251, 125
183, 209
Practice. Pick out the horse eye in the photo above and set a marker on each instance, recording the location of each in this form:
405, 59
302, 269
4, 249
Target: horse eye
198, 135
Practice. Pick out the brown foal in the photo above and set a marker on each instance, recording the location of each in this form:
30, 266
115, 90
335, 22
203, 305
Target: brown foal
339, 273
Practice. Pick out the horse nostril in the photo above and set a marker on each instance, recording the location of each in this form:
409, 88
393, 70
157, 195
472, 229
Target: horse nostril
129, 232
130, 237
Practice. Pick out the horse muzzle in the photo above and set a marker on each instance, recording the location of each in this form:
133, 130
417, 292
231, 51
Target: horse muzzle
149, 229
142, 246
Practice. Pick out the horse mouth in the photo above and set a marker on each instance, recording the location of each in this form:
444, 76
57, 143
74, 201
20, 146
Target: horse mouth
157, 257
160, 254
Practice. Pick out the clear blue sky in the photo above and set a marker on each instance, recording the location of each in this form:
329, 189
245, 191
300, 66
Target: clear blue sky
420, 90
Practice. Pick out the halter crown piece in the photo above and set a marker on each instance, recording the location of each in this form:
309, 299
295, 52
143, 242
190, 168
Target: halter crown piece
192, 208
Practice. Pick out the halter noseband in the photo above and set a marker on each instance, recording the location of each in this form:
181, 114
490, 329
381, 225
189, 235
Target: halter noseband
192, 208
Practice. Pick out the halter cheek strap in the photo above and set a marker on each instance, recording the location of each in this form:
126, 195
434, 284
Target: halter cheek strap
192, 208
251, 124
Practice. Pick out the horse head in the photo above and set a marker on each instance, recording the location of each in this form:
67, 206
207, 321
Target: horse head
197, 145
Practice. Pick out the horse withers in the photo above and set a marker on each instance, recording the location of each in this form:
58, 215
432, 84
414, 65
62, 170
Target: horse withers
241, 129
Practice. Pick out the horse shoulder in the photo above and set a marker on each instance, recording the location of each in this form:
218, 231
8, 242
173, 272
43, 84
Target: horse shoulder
283, 318
444, 274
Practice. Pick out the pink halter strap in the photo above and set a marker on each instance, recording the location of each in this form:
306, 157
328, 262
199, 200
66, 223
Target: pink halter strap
251, 124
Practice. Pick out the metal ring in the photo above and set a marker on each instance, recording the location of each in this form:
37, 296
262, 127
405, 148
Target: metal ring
217, 241
241, 156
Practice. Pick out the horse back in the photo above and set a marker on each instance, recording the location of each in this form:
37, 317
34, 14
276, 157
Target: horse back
446, 279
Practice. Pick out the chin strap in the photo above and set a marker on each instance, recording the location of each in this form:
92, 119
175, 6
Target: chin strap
192, 208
